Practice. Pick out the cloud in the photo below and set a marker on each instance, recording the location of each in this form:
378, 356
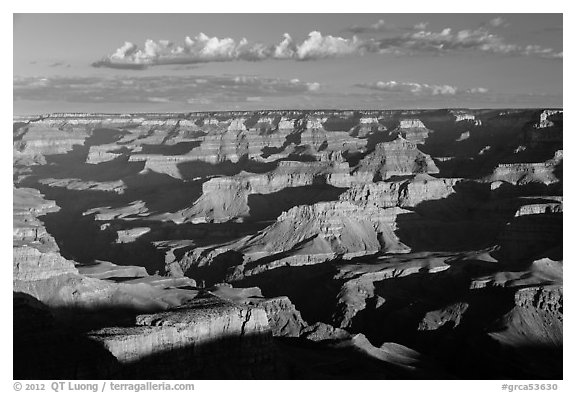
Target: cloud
408, 40
317, 46
421, 26
107, 63
477, 90
203, 48
497, 22
384, 27
59, 64
420, 89
478, 40
380, 26
159, 89
286, 49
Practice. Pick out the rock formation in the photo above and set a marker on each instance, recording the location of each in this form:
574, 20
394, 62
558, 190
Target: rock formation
397, 158
289, 244
413, 130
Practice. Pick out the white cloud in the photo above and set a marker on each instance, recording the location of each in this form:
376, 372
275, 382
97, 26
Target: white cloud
317, 46
497, 22
380, 26
314, 86
480, 40
420, 89
124, 51
416, 39
203, 48
477, 90
158, 99
286, 49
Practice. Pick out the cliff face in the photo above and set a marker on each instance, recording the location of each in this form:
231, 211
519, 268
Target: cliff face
402, 193
413, 130
304, 235
211, 337
524, 173
397, 158
36, 257
35, 141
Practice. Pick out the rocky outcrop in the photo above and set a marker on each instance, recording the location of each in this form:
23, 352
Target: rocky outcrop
307, 235
467, 117
283, 318
532, 331
36, 257
545, 116
327, 228
524, 173
41, 272
321, 140
229, 198
397, 158
367, 125
358, 290
451, 315
413, 130
36, 141
547, 131
401, 193
210, 336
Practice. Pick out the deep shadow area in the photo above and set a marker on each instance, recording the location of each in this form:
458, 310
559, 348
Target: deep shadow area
340, 123
177, 149
502, 133
194, 169
265, 207
47, 349
461, 345
311, 288
457, 222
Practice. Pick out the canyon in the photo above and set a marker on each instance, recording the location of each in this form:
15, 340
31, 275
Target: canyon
289, 244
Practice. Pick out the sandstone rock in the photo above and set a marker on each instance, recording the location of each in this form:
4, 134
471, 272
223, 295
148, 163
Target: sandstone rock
210, 336
451, 314
283, 318
544, 118
321, 331
524, 173
401, 193
41, 140
535, 321
413, 130
397, 158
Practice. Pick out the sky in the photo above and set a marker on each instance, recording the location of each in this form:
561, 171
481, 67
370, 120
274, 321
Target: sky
207, 62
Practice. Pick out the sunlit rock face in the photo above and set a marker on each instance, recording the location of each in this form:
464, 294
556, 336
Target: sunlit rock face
289, 244
396, 158
413, 130
402, 193
36, 256
38, 140
524, 173
547, 115
210, 336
